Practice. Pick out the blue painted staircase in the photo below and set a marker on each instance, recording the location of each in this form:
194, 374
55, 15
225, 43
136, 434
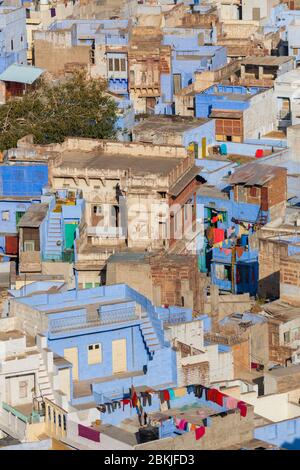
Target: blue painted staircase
54, 242
152, 332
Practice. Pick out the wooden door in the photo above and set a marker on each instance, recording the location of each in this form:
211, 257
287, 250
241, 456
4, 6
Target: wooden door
119, 356
71, 355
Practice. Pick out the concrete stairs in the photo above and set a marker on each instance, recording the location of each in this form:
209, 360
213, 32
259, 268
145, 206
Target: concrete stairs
54, 242
44, 388
149, 335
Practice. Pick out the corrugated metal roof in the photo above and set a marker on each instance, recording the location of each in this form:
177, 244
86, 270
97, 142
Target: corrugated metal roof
21, 74
254, 174
226, 114
184, 181
34, 216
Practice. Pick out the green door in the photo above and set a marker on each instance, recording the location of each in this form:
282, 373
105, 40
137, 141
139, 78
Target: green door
70, 230
19, 216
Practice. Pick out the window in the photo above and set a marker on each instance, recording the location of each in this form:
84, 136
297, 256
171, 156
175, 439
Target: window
110, 65
23, 389
123, 65
29, 245
5, 216
253, 191
94, 353
64, 422
59, 420
97, 210
177, 83
49, 413
117, 65
21, 38
295, 51
287, 337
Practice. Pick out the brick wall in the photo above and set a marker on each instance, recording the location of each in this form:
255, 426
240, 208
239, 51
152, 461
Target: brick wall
241, 358
277, 353
269, 267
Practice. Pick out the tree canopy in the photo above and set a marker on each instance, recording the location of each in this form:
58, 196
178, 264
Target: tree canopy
77, 107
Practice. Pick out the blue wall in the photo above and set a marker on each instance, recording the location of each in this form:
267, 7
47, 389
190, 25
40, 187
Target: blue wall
285, 434
136, 352
21, 180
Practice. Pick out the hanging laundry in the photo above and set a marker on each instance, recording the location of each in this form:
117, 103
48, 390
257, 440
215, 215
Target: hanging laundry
172, 393
215, 219
125, 402
210, 235
134, 396
182, 424
240, 250
166, 395
243, 408
226, 251
243, 231
231, 403
219, 235
220, 217
180, 392
230, 231
199, 432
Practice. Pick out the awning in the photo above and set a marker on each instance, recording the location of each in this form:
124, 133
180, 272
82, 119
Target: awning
21, 74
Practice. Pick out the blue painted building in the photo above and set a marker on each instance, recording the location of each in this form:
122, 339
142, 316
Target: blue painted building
52, 227
188, 55
20, 186
108, 40
285, 434
13, 41
224, 97
111, 336
230, 217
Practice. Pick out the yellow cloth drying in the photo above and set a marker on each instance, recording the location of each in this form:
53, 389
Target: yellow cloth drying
180, 392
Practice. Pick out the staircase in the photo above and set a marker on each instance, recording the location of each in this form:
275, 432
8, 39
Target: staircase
261, 218
54, 242
44, 388
150, 337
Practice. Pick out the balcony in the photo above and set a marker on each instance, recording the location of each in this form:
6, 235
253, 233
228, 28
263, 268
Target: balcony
106, 315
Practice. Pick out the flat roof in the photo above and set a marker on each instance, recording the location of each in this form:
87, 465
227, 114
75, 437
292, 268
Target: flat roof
34, 216
99, 160
212, 191
284, 371
21, 74
282, 311
289, 77
266, 60
168, 124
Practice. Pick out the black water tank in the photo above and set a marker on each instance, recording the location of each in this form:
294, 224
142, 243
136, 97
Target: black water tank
148, 434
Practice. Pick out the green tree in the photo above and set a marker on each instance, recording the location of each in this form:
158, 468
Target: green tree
77, 107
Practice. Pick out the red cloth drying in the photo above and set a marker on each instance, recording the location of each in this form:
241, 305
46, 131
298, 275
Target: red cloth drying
219, 235
243, 408
134, 397
259, 153
215, 396
126, 401
166, 395
199, 432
